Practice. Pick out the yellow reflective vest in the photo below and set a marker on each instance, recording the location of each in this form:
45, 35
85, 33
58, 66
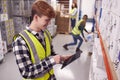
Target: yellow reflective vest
36, 47
71, 12
76, 30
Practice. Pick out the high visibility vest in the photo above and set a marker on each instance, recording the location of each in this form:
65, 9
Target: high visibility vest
36, 47
76, 30
71, 12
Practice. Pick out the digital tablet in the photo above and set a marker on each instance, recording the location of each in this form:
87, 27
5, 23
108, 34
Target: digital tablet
71, 59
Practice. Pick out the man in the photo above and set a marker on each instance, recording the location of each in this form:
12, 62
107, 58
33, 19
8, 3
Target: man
32, 47
79, 27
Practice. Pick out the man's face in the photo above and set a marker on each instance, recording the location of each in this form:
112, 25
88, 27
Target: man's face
43, 22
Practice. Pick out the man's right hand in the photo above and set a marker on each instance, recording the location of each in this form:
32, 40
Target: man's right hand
60, 58
57, 59
85, 39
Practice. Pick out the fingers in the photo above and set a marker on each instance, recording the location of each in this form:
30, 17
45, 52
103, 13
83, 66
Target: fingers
60, 59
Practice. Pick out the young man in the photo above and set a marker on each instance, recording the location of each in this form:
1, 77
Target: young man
79, 27
32, 47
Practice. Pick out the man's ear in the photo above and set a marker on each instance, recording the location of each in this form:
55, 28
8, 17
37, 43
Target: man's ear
35, 17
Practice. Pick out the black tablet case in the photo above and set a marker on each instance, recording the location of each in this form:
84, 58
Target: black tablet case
71, 59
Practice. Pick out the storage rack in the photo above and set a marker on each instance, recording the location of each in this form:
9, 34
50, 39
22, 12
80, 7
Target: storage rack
107, 24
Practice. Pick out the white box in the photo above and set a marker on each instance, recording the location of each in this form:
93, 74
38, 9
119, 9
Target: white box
4, 17
3, 47
1, 57
99, 56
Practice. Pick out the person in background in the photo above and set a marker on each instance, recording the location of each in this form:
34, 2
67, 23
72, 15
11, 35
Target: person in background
73, 14
33, 48
76, 31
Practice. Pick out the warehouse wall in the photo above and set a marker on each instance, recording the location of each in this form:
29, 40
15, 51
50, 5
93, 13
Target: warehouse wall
87, 7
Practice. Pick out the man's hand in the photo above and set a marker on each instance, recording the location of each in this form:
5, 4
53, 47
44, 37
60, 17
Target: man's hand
60, 58
85, 39
57, 59
64, 57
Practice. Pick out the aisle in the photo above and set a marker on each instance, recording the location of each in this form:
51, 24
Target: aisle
79, 69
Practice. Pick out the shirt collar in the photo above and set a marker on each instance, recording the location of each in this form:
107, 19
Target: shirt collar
34, 32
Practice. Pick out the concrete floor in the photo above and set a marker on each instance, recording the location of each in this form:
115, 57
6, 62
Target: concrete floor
78, 70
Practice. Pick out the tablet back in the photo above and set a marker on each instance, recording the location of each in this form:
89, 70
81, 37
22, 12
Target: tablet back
71, 59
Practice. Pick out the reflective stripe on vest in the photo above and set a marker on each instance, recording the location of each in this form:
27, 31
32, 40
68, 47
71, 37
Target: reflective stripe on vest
75, 30
37, 51
71, 12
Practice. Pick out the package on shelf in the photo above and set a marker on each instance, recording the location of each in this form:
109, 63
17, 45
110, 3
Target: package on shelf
4, 6
3, 30
106, 4
55, 28
27, 7
118, 7
100, 74
94, 54
0, 17
17, 7
115, 5
1, 56
3, 47
0, 34
52, 21
92, 67
7, 31
9, 28
18, 24
100, 60
118, 71
96, 73
54, 4
0, 7
51, 27
4, 9
117, 55
62, 27
1, 53
58, 7
114, 38
11, 22
4, 17
99, 57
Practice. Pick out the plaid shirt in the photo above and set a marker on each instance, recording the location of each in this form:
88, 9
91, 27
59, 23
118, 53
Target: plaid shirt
23, 58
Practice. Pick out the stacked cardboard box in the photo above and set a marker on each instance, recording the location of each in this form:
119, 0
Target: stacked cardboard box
7, 31
62, 23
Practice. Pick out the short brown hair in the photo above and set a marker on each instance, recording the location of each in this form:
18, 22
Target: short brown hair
85, 16
40, 8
